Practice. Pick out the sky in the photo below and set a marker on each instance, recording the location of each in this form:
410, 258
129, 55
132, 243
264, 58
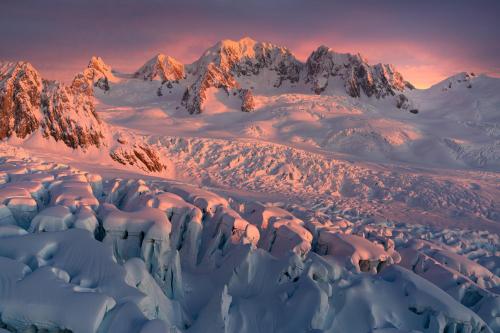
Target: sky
426, 40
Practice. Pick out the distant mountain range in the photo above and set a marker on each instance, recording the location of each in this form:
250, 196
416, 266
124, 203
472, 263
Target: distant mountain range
239, 70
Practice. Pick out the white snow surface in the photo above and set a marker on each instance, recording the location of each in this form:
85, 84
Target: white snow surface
312, 213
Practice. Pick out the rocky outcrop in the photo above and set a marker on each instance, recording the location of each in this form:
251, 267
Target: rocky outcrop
70, 116
380, 80
29, 103
247, 100
141, 156
212, 77
162, 67
20, 93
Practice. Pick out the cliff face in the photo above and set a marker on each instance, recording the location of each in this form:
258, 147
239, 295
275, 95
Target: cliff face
20, 95
29, 103
357, 76
69, 116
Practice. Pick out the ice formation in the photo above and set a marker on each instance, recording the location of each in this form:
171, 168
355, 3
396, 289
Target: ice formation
151, 256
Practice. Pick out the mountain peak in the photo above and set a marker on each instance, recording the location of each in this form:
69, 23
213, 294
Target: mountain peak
226, 53
161, 67
245, 45
20, 93
380, 80
97, 74
221, 65
247, 40
98, 64
23, 66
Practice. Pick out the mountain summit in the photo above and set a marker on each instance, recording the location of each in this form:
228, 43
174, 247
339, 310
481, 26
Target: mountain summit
325, 65
161, 67
221, 65
97, 74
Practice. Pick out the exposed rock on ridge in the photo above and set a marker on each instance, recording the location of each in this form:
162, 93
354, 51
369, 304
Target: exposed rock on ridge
20, 95
358, 76
29, 103
97, 74
162, 67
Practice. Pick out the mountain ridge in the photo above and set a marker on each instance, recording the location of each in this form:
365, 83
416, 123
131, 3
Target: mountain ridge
237, 72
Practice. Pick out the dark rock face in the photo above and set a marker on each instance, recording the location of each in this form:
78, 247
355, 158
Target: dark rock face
20, 93
247, 101
70, 116
29, 103
141, 156
402, 102
356, 74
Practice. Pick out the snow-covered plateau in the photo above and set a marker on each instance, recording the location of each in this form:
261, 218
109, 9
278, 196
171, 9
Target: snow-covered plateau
249, 192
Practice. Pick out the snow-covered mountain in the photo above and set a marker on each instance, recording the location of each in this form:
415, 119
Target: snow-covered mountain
97, 74
248, 75
221, 65
28, 103
325, 66
241, 65
162, 67
342, 200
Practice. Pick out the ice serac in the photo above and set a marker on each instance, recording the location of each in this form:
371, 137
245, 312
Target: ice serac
221, 66
324, 66
28, 103
161, 67
465, 280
